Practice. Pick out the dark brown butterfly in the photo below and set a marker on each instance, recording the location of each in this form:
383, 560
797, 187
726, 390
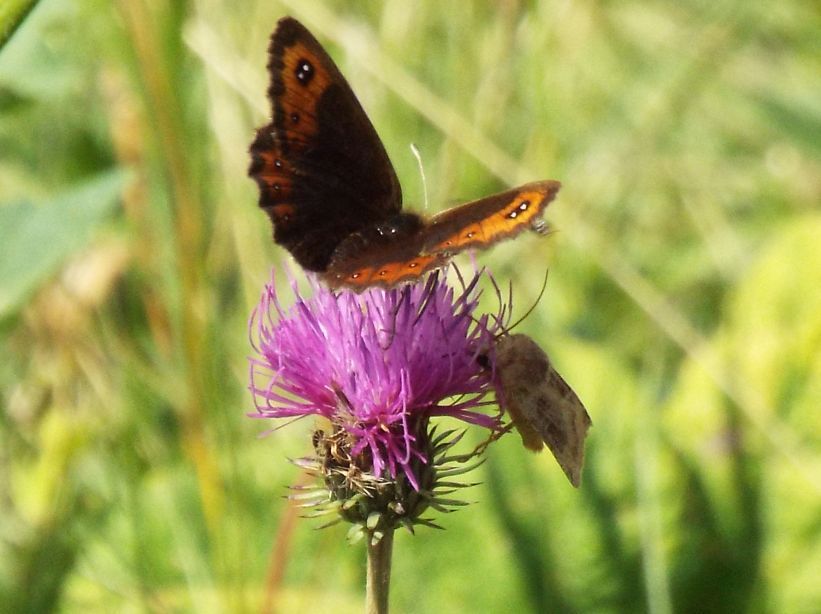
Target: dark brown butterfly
331, 191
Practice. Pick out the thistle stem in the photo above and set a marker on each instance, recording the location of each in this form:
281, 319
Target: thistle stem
379, 574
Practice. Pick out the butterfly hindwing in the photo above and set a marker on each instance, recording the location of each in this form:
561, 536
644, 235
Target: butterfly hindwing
400, 253
488, 220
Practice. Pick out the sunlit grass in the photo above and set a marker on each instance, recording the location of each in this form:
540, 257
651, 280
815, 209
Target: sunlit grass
682, 305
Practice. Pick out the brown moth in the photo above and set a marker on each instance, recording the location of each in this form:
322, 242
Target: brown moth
542, 407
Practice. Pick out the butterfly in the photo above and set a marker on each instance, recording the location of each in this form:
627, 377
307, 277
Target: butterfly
541, 405
332, 194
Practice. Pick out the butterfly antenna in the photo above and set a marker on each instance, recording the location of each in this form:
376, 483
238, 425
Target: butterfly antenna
533, 306
418, 156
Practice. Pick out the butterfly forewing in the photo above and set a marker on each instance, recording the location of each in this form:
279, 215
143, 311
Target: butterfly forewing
322, 171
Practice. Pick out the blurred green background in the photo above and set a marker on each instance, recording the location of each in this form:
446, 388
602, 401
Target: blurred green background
683, 304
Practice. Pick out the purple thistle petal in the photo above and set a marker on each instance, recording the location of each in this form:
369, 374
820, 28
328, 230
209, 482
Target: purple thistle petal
374, 363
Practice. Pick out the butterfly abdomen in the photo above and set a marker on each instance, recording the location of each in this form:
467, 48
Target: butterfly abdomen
377, 243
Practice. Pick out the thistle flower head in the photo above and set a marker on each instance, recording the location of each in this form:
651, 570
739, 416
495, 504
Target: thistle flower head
377, 366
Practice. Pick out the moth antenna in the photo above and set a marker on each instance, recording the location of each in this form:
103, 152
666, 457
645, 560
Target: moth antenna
341, 397
428, 293
404, 293
283, 425
533, 306
418, 156
500, 320
503, 313
509, 314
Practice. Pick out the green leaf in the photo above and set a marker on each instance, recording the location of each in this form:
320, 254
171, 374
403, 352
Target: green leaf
36, 239
12, 14
769, 340
799, 123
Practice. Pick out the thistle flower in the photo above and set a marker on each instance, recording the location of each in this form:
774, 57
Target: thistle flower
377, 366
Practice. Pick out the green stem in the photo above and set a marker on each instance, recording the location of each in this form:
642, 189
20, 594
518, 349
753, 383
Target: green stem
12, 14
379, 574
